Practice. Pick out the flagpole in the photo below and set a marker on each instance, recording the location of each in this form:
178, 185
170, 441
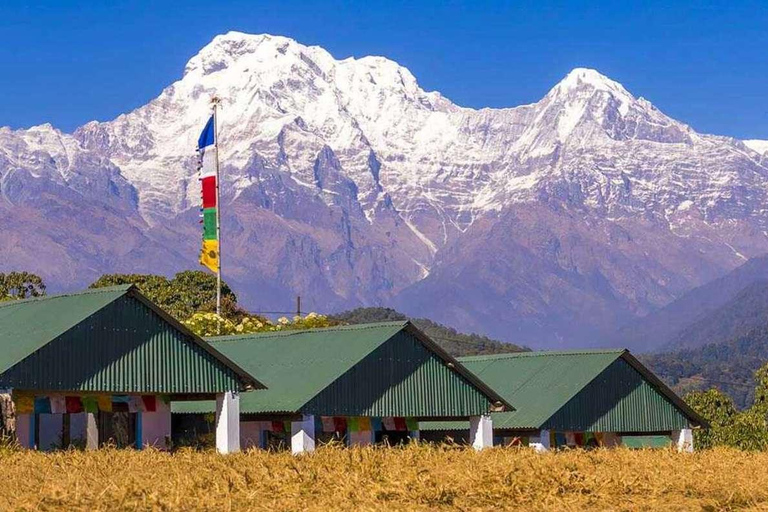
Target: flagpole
215, 101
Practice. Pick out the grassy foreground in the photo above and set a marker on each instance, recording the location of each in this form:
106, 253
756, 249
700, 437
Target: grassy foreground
411, 478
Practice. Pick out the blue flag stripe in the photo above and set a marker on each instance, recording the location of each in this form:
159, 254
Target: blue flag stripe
207, 138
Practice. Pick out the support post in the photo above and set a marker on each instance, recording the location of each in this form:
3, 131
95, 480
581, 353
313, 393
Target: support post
415, 435
543, 445
481, 431
683, 440
228, 422
303, 435
91, 432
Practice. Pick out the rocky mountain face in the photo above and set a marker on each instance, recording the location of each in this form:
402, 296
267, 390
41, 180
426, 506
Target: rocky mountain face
548, 224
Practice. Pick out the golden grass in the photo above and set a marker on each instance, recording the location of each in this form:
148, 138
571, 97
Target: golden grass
411, 478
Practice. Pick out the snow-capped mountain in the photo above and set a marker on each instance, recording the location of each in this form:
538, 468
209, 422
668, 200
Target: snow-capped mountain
345, 182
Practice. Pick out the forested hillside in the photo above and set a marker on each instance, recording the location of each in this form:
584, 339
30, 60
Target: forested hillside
454, 342
728, 366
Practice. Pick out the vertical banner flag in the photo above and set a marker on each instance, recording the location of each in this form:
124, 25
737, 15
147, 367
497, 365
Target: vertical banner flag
209, 256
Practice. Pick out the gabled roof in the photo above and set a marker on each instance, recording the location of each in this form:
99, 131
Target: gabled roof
539, 384
297, 365
28, 326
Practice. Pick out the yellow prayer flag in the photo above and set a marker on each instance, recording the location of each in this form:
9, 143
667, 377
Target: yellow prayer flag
105, 403
365, 424
24, 403
209, 256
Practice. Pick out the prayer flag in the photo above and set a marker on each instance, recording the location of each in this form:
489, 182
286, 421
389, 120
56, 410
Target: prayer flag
208, 184
208, 135
150, 403
340, 423
365, 424
412, 424
105, 403
389, 423
74, 405
209, 256
353, 424
328, 424
135, 404
570, 439
400, 424
278, 426
376, 424
58, 404
24, 403
42, 405
90, 404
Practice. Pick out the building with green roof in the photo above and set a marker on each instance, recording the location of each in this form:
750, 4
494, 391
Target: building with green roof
105, 364
577, 397
363, 381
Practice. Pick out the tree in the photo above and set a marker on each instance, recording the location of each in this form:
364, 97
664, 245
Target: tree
189, 292
746, 429
20, 285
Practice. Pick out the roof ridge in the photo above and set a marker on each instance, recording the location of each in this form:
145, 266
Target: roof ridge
542, 353
87, 291
293, 332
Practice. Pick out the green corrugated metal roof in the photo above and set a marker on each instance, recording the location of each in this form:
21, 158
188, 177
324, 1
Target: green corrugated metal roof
28, 325
370, 369
575, 390
110, 340
538, 383
295, 365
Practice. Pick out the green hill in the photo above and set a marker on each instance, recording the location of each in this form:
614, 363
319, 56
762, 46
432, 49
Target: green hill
455, 343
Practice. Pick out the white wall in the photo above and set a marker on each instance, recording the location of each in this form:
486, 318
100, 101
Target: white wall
156, 426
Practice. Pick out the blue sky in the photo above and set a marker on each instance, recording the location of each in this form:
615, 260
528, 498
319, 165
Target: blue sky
704, 63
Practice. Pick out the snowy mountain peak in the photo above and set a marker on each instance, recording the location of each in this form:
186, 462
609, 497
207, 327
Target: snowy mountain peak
586, 77
759, 146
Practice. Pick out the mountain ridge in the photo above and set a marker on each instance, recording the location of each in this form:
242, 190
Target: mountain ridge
547, 224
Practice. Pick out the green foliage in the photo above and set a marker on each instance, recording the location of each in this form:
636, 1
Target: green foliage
745, 429
189, 292
455, 343
210, 324
20, 285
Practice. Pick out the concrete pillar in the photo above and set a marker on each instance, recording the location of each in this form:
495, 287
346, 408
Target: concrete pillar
481, 431
228, 422
683, 440
543, 444
303, 435
91, 432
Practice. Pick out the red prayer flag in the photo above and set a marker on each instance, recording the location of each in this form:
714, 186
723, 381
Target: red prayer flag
73, 404
400, 423
150, 403
278, 426
340, 423
209, 191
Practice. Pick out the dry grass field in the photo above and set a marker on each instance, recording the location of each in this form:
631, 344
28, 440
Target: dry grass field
411, 478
